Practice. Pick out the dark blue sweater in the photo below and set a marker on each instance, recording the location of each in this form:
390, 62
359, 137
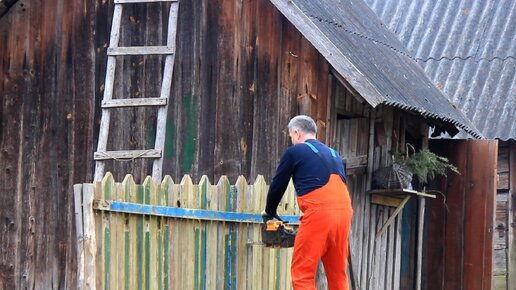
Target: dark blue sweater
307, 170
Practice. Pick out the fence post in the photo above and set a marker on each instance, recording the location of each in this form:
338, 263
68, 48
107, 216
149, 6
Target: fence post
77, 194
90, 244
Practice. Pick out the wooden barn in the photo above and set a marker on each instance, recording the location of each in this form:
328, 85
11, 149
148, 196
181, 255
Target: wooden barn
242, 69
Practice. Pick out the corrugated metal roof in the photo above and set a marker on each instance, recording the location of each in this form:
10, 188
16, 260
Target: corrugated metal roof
4, 6
468, 49
370, 57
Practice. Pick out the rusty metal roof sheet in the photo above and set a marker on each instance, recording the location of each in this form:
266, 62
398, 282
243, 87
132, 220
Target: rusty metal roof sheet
370, 57
468, 49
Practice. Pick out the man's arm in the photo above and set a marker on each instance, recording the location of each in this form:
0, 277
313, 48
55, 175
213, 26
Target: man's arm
279, 183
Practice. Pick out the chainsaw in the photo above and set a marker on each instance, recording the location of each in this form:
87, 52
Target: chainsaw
277, 234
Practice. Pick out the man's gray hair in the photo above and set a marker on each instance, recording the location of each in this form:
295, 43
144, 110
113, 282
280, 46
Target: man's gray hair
303, 123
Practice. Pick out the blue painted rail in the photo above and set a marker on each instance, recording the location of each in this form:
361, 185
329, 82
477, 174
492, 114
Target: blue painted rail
178, 212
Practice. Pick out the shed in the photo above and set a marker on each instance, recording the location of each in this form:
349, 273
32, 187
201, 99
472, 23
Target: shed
468, 50
243, 69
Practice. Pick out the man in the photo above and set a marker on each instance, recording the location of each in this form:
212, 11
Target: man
322, 196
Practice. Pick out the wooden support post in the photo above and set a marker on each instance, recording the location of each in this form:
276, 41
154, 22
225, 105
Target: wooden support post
420, 232
511, 241
90, 244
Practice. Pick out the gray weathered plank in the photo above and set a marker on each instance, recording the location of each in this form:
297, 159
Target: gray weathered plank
127, 154
77, 194
90, 244
137, 102
140, 50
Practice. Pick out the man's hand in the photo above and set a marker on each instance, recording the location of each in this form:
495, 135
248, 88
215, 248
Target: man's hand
266, 217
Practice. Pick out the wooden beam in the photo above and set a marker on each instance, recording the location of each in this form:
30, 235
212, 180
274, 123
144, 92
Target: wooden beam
185, 213
347, 85
511, 241
126, 154
401, 191
381, 199
136, 102
139, 50
356, 161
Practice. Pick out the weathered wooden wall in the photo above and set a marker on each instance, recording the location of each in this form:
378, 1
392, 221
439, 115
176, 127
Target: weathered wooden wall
459, 236
46, 138
504, 257
367, 138
242, 71
501, 231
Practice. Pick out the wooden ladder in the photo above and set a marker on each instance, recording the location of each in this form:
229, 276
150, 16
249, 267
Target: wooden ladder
108, 103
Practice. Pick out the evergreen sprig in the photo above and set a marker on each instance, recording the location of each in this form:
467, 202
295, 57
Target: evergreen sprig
425, 164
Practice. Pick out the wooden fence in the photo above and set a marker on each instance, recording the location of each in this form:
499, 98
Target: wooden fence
178, 236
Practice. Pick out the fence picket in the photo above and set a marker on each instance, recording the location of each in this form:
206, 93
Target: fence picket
241, 249
163, 249
151, 237
187, 233
130, 236
175, 227
211, 234
259, 257
205, 190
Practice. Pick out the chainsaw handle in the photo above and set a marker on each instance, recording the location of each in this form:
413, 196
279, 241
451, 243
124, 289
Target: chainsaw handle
266, 217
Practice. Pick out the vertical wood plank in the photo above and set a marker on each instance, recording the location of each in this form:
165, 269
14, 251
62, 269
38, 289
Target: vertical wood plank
130, 236
481, 192
397, 256
108, 223
164, 198
390, 251
188, 234
454, 223
434, 251
211, 235
420, 231
202, 203
117, 241
242, 237
78, 210
260, 192
223, 261
198, 239
175, 227
90, 244
511, 241
151, 236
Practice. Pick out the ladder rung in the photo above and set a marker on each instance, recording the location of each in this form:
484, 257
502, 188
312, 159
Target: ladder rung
139, 50
127, 154
137, 102
142, 1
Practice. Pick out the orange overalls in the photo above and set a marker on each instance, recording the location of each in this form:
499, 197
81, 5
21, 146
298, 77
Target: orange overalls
323, 235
